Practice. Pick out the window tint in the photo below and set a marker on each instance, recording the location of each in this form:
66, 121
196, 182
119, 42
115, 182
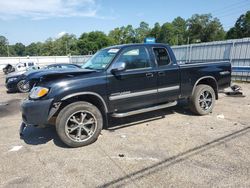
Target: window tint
161, 56
135, 58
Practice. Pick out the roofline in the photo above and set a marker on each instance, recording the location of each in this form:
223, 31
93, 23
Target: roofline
136, 44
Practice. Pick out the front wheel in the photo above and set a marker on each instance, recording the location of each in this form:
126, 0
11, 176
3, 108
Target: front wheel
79, 124
203, 100
23, 87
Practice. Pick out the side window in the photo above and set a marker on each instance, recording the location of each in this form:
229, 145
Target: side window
135, 58
30, 64
161, 56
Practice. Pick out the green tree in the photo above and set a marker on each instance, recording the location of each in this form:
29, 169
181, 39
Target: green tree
241, 28
47, 48
19, 49
155, 31
123, 35
116, 35
93, 41
180, 30
167, 34
204, 28
33, 49
4, 46
142, 32
66, 45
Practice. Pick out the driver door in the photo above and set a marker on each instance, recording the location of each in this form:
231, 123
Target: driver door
136, 86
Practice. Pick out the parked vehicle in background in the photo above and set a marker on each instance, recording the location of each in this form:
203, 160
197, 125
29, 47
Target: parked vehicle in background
8, 69
17, 81
120, 81
23, 66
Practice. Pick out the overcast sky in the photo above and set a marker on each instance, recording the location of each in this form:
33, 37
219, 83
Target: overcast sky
29, 21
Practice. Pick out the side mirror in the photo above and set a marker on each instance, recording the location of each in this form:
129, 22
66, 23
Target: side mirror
118, 67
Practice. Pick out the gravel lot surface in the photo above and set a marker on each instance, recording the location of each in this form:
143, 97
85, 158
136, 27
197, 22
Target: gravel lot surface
166, 148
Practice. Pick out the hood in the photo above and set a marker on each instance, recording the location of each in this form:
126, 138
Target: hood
47, 75
28, 73
15, 74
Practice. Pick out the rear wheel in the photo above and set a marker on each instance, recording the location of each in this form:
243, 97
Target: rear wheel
79, 124
23, 87
203, 99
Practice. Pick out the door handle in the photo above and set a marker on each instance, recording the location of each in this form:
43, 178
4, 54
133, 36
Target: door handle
149, 74
161, 73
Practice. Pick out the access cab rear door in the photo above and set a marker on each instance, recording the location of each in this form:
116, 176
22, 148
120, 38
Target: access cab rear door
168, 73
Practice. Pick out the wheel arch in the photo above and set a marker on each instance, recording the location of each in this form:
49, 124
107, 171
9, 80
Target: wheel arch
208, 80
91, 97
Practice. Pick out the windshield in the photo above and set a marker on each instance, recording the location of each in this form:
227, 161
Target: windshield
101, 59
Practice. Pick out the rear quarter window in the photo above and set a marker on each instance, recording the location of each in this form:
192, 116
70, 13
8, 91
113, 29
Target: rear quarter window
162, 57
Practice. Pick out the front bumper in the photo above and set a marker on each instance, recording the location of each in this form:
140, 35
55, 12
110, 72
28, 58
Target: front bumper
36, 112
11, 86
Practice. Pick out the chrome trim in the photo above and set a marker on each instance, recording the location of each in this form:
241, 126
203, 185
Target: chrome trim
138, 69
224, 72
129, 95
203, 63
87, 93
169, 88
141, 93
125, 114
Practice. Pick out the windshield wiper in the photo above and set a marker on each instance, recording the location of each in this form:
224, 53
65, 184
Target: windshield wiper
90, 68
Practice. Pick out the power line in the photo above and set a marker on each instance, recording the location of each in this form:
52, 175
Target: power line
238, 12
230, 6
232, 10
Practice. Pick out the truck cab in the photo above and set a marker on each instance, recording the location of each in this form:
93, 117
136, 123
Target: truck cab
137, 78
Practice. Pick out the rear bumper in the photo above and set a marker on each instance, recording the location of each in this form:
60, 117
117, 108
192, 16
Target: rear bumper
36, 112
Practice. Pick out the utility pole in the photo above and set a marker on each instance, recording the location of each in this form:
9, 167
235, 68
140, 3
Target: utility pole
7, 46
8, 50
66, 47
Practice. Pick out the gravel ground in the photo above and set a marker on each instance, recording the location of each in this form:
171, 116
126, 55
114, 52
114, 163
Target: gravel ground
166, 148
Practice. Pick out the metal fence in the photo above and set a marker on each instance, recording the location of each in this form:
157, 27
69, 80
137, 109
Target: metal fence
43, 60
79, 59
236, 51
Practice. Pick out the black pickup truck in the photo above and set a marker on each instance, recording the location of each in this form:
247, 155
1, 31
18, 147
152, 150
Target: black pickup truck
120, 81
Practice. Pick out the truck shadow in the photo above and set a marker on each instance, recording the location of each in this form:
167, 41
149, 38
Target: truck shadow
37, 136
119, 123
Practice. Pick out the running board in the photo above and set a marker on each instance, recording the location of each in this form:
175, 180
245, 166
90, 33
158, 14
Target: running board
149, 109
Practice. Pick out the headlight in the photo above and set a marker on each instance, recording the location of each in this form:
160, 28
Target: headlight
38, 92
11, 79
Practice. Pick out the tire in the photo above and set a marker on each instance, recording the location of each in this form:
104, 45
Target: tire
79, 118
203, 100
23, 88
